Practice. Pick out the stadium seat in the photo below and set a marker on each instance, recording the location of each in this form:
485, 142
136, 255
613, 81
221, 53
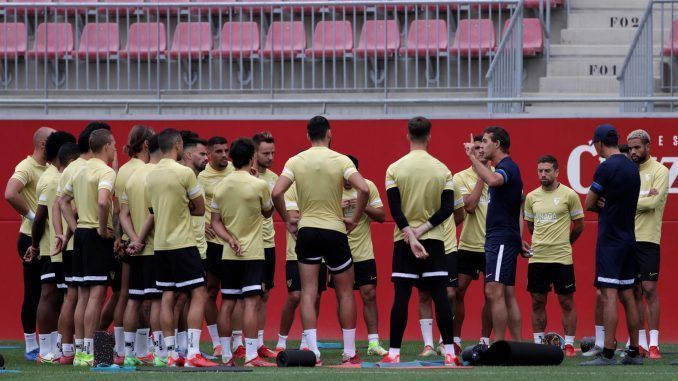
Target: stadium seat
239, 39
533, 36
192, 40
214, 11
378, 38
121, 12
474, 38
53, 40
671, 47
308, 8
74, 10
535, 3
28, 10
331, 39
99, 41
13, 40
285, 39
426, 38
146, 41
257, 10
164, 10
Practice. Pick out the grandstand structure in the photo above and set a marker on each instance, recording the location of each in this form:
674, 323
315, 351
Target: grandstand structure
285, 58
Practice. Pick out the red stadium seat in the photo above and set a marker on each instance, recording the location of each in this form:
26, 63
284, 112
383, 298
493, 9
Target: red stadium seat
533, 36
671, 47
239, 39
99, 41
13, 40
213, 10
146, 41
378, 38
173, 10
426, 38
28, 10
121, 12
53, 40
257, 10
285, 39
191, 40
474, 38
331, 39
535, 3
76, 9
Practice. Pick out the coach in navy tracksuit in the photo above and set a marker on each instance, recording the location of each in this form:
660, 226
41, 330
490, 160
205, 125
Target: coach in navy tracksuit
614, 196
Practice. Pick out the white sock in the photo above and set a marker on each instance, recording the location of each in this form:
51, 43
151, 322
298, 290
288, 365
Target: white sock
260, 338
373, 339
251, 349
119, 335
88, 346
45, 343
226, 353
282, 342
130, 339
214, 334
312, 341
484, 341
150, 345
457, 340
569, 340
393, 352
628, 343
79, 345
654, 338
440, 340
304, 342
642, 338
31, 343
600, 336
159, 344
349, 341
182, 341
56, 343
237, 339
427, 331
171, 346
193, 342
449, 348
141, 343
68, 349
538, 337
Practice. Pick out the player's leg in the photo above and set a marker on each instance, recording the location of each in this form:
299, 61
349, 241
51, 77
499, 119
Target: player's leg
65, 324
366, 282
120, 285
632, 317
564, 287
451, 261
290, 305
212, 265
308, 274
538, 285
648, 255
32, 289
610, 318
459, 307
425, 310
538, 316
108, 310
494, 292
515, 319
131, 317
251, 304
47, 312
225, 328
405, 272
268, 283
189, 275
236, 321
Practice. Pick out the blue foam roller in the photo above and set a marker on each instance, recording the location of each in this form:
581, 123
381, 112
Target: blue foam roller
329, 345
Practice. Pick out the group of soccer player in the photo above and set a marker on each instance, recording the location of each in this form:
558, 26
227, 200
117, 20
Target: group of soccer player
186, 219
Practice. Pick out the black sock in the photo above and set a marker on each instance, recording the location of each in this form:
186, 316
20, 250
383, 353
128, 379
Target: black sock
632, 351
608, 353
444, 313
399, 312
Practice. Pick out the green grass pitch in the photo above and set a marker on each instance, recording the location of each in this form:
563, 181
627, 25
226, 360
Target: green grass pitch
569, 370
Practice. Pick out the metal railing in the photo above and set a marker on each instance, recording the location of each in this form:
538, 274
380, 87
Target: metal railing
505, 76
266, 47
636, 76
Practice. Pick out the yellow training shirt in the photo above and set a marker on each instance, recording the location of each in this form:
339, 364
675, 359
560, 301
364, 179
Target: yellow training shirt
28, 172
450, 228
169, 188
123, 176
653, 175
551, 213
472, 236
240, 199
66, 176
421, 179
319, 174
269, 231
291, 205
360, 239
134, 196
84, 187
209, 178
46, 191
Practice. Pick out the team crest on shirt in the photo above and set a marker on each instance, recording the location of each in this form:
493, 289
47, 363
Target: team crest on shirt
556, 200
647, 177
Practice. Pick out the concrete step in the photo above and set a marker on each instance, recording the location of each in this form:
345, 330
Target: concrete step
613, 19
584, 85
607, 4
602, 36
590, 67
572, 50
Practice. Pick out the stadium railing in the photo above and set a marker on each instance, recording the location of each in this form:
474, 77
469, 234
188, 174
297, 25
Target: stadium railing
160, 48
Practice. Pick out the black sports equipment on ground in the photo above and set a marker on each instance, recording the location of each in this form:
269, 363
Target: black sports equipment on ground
293, 358
515, 353
587, 343
104, 343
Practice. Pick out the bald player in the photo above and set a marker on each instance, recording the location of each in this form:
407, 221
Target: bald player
20, 194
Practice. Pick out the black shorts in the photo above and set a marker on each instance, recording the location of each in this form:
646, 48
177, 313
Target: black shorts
615, 265
365, 274
213, 258
540, 276
500, 263
425, 273
452, 269
116, 275
314, 244
294, 280
52, 272
269, 270
471, 263
96, 256
178, 269
242, 278
142, 278
647, 261
67, 267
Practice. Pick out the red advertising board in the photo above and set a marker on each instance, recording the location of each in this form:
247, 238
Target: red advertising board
377, 143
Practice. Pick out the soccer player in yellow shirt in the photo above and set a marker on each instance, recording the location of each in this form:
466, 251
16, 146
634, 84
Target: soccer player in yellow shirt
20, 194
91, 189
319, 175
549, 210
654, 189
